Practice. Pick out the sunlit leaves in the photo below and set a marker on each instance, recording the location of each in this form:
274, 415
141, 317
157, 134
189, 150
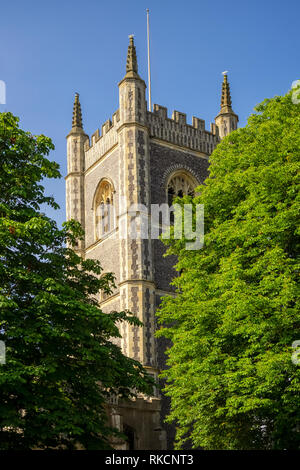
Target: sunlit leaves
230, 378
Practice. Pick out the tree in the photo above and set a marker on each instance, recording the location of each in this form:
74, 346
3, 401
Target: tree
230, 376
61, 364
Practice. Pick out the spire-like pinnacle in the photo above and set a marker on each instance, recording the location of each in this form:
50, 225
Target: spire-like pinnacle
226, 97
77, 117
131, 64
226, 120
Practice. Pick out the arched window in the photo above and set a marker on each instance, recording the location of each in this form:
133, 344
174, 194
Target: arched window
180, 184
104, 209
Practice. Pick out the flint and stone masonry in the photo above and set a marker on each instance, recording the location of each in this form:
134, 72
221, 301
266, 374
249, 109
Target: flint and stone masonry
139, 157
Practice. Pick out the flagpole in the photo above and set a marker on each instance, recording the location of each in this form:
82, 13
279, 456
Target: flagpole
149, 74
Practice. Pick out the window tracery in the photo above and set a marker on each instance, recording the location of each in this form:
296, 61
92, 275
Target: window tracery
104, 209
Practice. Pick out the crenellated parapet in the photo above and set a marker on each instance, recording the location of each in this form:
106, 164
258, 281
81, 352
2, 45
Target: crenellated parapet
100, 143
176, 130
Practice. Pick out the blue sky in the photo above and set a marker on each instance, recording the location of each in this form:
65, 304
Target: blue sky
50, 50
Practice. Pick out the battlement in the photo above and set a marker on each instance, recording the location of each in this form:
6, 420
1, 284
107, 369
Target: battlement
174, 130
99, 144
177, 131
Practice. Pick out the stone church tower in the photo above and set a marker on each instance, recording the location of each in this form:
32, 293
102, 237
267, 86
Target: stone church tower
139, 158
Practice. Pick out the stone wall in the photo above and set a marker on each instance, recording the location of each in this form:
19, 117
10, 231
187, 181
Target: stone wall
106, 168
164, 160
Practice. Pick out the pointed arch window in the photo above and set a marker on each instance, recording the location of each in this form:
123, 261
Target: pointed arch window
104, 209
180, 184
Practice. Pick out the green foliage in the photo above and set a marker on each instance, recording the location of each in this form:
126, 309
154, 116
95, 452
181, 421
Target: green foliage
61, 363
230, 378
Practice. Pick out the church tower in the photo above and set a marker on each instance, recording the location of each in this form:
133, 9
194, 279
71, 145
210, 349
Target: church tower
139, 158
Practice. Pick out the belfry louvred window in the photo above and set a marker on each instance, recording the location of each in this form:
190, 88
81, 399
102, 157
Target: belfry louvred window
179, 185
